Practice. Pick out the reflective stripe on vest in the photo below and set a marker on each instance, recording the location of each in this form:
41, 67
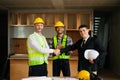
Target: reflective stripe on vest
35, 57
64, 42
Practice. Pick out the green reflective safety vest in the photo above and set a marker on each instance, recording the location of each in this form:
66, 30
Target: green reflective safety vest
35, 57
64, 42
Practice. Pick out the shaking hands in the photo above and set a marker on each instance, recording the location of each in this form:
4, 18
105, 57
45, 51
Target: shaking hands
56, 51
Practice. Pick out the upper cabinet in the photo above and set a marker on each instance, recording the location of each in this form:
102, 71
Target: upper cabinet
71, 20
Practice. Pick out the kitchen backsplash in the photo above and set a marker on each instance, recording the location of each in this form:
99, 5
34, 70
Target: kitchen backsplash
25, 31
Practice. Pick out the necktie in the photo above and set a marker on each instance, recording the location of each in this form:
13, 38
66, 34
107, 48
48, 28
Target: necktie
83, 43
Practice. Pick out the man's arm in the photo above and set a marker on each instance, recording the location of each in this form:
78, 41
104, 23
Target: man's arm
70, 47
32, 42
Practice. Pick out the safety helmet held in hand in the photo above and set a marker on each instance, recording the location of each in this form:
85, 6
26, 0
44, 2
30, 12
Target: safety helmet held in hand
91, 54
59, 23
84, 75
38, 20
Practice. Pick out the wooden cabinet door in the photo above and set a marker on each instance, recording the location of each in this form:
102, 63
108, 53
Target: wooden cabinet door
13, 19
71, 21
19, 46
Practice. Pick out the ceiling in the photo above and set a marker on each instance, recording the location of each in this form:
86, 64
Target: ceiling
58, 4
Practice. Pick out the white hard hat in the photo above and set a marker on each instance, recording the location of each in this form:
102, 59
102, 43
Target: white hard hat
91, 54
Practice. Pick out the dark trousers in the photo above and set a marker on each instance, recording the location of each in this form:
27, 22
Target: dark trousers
61, 65
38, 70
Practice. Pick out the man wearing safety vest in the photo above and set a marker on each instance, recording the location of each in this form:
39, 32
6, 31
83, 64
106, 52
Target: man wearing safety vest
38, 50
60, 62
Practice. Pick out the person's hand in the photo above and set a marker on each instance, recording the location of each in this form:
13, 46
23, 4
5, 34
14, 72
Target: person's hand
91, 61
56, 51
59, 46
70, 52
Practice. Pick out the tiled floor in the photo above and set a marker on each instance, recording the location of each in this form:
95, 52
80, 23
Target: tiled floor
108, 75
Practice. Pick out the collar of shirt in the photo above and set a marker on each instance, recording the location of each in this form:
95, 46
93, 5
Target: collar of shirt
86, 39
38, 34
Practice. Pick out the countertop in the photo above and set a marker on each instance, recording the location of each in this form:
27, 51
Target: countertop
25, 56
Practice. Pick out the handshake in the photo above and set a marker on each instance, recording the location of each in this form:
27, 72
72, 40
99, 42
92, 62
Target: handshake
57, 50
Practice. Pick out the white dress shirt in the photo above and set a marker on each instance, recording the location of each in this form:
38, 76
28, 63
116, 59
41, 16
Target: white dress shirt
86, 39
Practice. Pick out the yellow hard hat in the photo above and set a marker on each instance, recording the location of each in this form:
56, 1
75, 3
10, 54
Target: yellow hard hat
84, 75
38, 20
59, 23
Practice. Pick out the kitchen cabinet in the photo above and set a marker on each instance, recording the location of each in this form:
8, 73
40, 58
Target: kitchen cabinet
31, 18
60, 16
19, 67
18, 46
24, 19
85, 18
49, 20
72, 20
13, 19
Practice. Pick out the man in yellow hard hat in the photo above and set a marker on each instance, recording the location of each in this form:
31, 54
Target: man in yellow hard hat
38, 50
61, 40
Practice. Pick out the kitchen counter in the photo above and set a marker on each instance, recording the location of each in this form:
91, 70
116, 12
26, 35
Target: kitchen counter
19, 56
19, 66
25, 56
